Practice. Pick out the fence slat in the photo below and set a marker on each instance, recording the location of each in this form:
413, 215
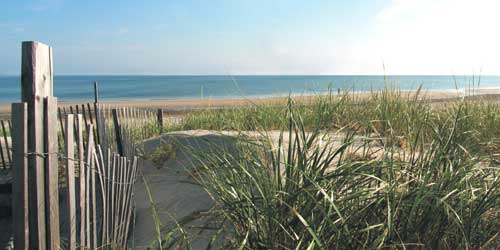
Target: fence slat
70, 183
117, 196
128, 184
65, 113
108, 194
20, 175
4, 164
82, 168
61, 123
113, 203
105, 128
84, 121
92, 169
36, 175
122, 196
130, 194
10, 129
52, 173
6, 142
88, 160
100, 167
97, 112
118, 134
10, 126
84, 114
93, 121
74, 113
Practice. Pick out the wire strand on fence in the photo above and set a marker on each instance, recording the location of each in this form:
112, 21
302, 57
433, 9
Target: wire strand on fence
61, 156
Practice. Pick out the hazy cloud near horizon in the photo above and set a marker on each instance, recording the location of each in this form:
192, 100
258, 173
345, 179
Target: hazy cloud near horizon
256, 37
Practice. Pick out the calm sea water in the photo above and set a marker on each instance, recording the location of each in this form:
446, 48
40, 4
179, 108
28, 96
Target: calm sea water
78, 88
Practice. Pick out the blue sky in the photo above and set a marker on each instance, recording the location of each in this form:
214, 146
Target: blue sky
256, 36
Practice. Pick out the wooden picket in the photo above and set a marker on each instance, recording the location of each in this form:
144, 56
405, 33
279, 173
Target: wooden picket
20, 175
70, 183
2, 156
4, 130
5, 145
51, 173
82, 175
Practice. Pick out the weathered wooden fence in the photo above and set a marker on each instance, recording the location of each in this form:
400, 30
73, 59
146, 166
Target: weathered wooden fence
124, 128
52, 154
135, 126
120, 129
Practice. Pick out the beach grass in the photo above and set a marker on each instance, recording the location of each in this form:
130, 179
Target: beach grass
393, 170
392, 114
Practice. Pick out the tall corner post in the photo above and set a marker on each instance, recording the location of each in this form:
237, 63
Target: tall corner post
37, 92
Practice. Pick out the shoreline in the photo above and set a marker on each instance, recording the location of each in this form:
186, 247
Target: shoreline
183, 105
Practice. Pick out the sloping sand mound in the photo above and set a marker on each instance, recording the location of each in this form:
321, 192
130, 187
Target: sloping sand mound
176, 198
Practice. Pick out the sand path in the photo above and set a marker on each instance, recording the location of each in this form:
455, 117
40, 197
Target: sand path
176, 197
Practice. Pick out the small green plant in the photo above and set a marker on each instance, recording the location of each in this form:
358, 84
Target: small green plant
164, 152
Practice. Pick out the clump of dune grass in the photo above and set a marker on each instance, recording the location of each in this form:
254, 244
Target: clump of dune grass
234, 118
390, 113
434, 190
410, 173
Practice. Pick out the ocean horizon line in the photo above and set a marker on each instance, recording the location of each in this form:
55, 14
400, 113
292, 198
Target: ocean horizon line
176, 87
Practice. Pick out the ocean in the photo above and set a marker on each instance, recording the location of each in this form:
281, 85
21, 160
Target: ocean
128, 87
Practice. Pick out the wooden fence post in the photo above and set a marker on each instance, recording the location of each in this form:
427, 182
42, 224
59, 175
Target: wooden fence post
118, 133
96, 92
36, 84
159, 118
20, 174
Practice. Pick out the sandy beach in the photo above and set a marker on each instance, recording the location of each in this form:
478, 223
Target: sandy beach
182, 105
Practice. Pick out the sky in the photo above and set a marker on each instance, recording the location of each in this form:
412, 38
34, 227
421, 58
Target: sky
265, 37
